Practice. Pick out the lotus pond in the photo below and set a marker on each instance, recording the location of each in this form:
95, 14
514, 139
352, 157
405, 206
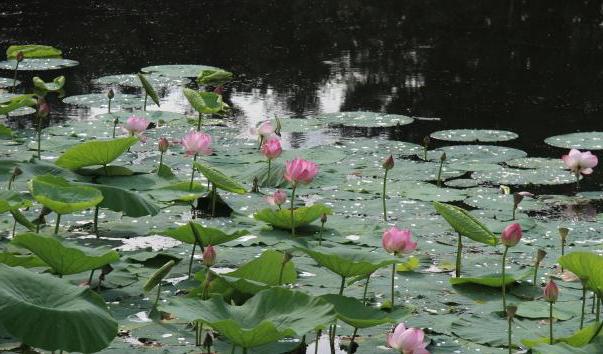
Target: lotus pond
165, 209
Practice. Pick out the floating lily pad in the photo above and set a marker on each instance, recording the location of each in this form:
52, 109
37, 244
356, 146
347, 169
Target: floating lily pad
461, 183
39, 64
6, 82
154, 116
382, 148
513, 176
363, 119
281, 218
207, 235
266, 269
585, 141
476, 135
494, 280
428, 192
100, 100
475, 154
33, 51
536, 162
61, 196
94, 153
354, 313
300, 125
23, 111
131, 80
177, 70
350, 263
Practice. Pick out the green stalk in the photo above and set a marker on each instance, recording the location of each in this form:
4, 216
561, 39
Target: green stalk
504, 286
551, 323
199, 122
160, 162
583, 305
334, 326
157, 298
514, 209
146, 95
318, 334
440, 173
596, 332
90, 278
351, 345
269, 167
190, 187
39, 138
509, 337
190, 263
109, 111
322, 227
114, 121
536, 266
95, 223
15, 77
598, 309
292, 215
562, 251
459, 250
56, 226
280, 274
392, 285
213, 200
14, 227
383, 196
577, 180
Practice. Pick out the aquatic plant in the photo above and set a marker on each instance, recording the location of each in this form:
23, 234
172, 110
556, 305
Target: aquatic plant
297, 172
509, 237
397, 242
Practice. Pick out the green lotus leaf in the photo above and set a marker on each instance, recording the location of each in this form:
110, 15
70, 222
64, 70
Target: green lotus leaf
214, 77
132, 80
130, 203
465, 223
17, 102
474, 135
100, 100
350, 263
95, 153
587, 266
582, 140
540, 309
266, 269
33, 51
354, 313
208, 235
148, 88
16, 260
156, 278
579, 339
54, 86
61, 196
38, 64
270, 315
64, 258
205, 102
5, 132
281, 218
178, 192
5, 82
363, 119
177, 70
22, 219
219, 179
51, 314
493, 280
10, 200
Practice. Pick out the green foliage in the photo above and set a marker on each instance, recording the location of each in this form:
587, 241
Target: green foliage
17, 102
130, 203
54, 86
156, 278
281, 218
208, 235
205, 102
466, 224
33, 51
95, 153
350, 263
214, 77
219, 179
62, 197
148, 88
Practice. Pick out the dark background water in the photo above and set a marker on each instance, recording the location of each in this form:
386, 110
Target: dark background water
534, 67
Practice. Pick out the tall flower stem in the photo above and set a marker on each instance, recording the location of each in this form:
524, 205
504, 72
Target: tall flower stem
157, 298
214, 196
269, 167
577, 180
551, 323
351, 345
190, 263
190, 187
318, 334
504, 284
15, 77
160, 162
510, 336
95, 222
199, 122
583, 305
334, 326
292, 214
536, 266
109, 111
459, 251
383, 195
39, 129
56, 226
439, 181
144, 107
392, 284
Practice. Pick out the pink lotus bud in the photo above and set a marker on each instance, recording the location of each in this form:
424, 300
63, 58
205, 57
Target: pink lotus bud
398, 241
407, 341
323, 218
388, 164
209, 256
136, 125
271, 148
265, 129
164, 144
43, 108
511, 310
540, 255
518, 197
110, 94
278, 198
197, 143
300, 171
550, 291
580, 162
511, 235
219, 90
20, 56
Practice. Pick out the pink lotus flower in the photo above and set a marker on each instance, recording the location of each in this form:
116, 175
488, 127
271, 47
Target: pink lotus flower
407, 340
277, 198
264, 130
209, 256
164, 144
43, 108
300, 171
511, 235
580, 162
197, 143
136, 125
398, 241
550, 291
272, 148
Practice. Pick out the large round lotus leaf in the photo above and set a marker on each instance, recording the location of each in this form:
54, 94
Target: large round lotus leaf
177, 70
10, 200
461, 183
490, 330
129, 203
587, 266
513, 176
350, 263
536, 162
363, 119
428, 192
100, 100
380, 148
475, 154
178, 191
65, 259
404, 170
131, 80
33, 51
281, 218
490, 198
207, 235
61, 196
6, 82
299, 125
266, 269
219, 179
94, 153
39, 64
270, 315
51, 314
585, 141
23, 111
473, 166
354, 313
476, 135
497, 220
154, 116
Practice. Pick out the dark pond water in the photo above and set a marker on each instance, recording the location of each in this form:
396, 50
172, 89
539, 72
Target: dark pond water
533, 67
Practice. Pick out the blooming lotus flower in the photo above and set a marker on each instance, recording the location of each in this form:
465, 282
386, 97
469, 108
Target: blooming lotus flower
580, 162
407, 340
265, 129
511, 235
398, 241
277, 198
550, 291
136, 125
209, 256
197, 143
300, 171
272, 148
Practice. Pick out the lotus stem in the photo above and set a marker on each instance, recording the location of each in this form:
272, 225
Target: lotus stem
562, 251
95, 223
334, 326
190, 187
318, 334
583, 305
157, 298
504, 284
439, 182
244, 350
577, 180
514, 209
368, 278
213, 200
160, 162
199, 122
109, 111
598, 309
198, 333
190, 263
56, 226
90, 277
15, 77
146, 95
322, 228
114, 121
351, 345
597, 331
536, 266
551, 323
292, 214
269, 167
392, 284
14, 227
39, 129
232, 350
592, 307
510, 336
383, 196
459, 250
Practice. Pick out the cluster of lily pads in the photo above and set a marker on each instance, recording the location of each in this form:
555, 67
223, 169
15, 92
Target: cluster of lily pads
138, 227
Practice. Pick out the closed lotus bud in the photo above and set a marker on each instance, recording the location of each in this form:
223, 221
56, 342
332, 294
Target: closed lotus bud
164, 144
540, 255
517, 198
550, 291
116, 121
511, 310
323, 218
20, 56
443, 157
208, 341
511, 235
219, 90
43, 108
426, 141
110, 94
563, 232
388, 164
209, 256
17, 171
